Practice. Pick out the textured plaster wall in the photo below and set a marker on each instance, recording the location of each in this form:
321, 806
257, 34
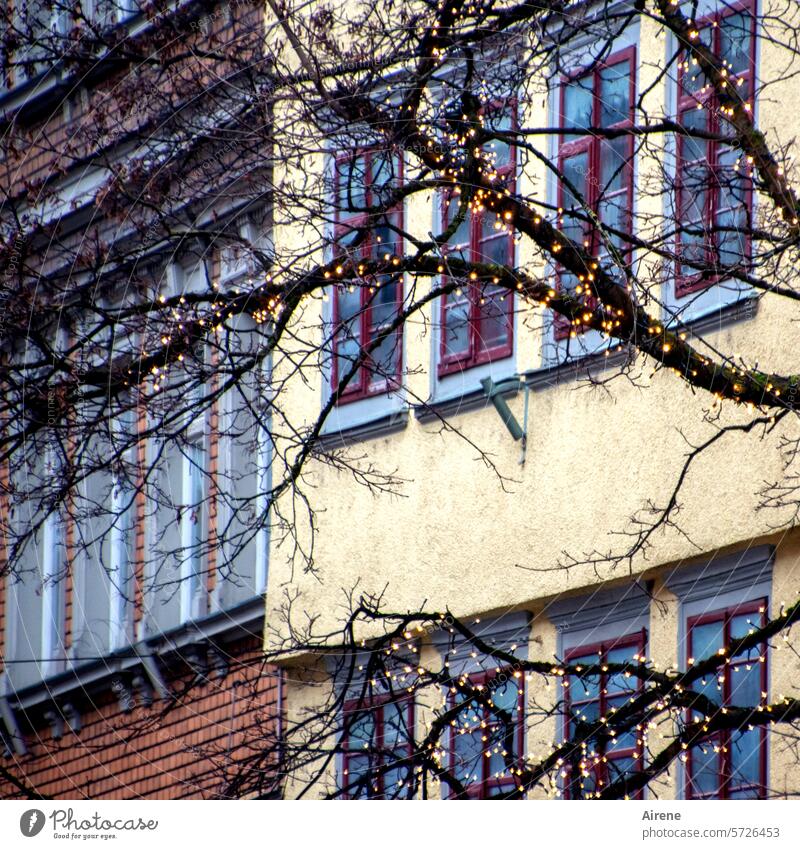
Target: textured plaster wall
479, 534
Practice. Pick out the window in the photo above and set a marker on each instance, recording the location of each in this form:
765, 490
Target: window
477, 321
488, 735
601, 762
377, 745
362, 310
714, 191
731, 765
598, 170
194, 518
122, 576
53, 575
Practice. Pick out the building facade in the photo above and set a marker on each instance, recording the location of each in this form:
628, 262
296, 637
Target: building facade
518, 544
132, 616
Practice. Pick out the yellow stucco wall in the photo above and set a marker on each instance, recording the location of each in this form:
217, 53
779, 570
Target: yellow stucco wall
476, 537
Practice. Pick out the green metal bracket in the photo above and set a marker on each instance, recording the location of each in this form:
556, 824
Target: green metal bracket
495, 392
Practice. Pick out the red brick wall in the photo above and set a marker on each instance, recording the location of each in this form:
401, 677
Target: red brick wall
175, 751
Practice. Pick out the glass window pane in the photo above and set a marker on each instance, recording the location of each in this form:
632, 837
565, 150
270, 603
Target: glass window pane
493, 325
348, 304
352, 180
578, 102
499, 119
705, 769
613, 165
347, 351
746, 757
575, 170
617, 682
740, 626
694, 149
707, 639
615, 94
361, 731
357, 769
505, 696
460, 240
745, 684
395, 725
735, 42
383, 303
468, 750
456, 329
495, 251
692, 79
385, 359
385, 174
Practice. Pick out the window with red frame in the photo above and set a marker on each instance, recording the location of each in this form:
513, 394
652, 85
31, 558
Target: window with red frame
363, 309
477, 320
486, 738
377, 746
714, 197
732, 764
599, 170
590, 697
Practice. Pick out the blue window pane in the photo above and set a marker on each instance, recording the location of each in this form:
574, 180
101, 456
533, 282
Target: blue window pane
584, 687
385, 242
361, 732
617, 682
704, 770
578, 103
692, 78
468, 749
352, 182
575, 170
743, 623
707, 639
397, 783
348, 302
395, 725
456, 330
613, 165
745, 685
493, 328
615, 94
384, 302
357, 774
500, 121
505, 696
459, 241
735, 42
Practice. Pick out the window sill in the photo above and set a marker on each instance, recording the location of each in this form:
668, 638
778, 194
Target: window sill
96, 675
373, 428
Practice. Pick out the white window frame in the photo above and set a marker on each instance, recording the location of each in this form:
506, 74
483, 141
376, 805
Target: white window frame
122, 538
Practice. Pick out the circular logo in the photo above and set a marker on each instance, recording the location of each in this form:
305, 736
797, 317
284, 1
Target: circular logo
31, 822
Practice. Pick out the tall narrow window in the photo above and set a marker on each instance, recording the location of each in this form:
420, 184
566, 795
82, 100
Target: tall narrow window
596, 172
122, 533
477, 320
377, 744
195, 530
365, 308
714, 192
487, 737
599, 761
732, 764
53, 575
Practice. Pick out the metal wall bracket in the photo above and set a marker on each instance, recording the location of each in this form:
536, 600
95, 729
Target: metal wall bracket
495, 392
